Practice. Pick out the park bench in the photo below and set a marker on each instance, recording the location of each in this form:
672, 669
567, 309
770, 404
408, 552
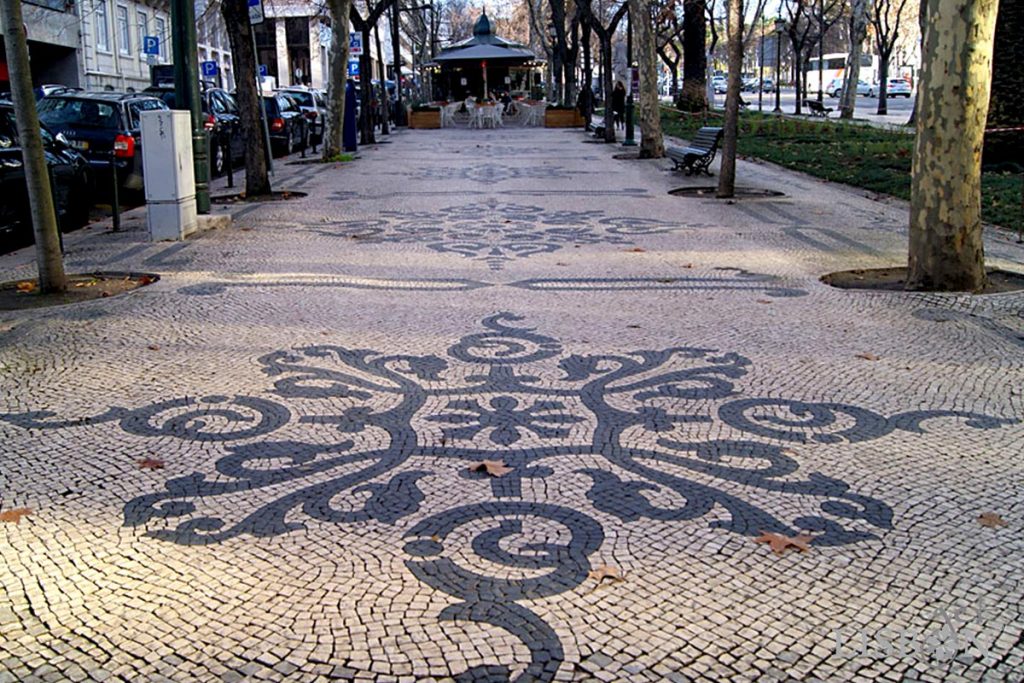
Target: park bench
817, 108
698, 155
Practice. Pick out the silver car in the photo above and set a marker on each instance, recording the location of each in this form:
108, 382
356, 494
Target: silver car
897, 87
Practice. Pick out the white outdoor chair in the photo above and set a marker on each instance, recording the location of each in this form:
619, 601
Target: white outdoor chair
537, 114
475, 115
448, 114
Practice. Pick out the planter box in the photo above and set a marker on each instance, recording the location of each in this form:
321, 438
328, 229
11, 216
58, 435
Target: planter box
424, 119
562, 118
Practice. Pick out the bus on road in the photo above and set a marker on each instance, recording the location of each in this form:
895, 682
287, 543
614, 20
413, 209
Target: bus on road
833, 66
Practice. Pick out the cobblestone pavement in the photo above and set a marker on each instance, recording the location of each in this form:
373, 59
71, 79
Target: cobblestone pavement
666, 378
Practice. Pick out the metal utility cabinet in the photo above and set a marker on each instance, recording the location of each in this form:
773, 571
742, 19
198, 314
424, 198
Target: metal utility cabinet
168, 174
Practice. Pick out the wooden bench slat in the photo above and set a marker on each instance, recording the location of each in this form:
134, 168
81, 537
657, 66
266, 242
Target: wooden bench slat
700, 152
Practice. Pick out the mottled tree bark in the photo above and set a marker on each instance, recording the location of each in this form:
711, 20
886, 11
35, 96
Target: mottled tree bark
858, 30
652, 144
236, 19
49, 261
727, 171
695, 35
946, 250
337, 69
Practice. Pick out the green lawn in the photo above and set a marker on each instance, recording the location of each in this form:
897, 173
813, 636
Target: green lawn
874, 158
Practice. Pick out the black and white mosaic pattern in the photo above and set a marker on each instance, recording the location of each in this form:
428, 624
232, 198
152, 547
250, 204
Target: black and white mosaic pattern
508, 392
495, 232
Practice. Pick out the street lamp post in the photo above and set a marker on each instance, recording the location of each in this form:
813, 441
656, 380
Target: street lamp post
760, 74
186, 93
780, 28
630, 107
821, 49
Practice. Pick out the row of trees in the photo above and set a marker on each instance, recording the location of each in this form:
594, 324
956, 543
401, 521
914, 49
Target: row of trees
953, 93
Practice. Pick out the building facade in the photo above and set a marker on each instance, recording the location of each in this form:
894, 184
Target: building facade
99, 44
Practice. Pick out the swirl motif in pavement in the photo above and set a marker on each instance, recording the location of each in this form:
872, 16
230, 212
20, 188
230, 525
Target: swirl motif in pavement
628, 422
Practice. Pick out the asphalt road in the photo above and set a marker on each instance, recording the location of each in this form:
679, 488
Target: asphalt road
899, 107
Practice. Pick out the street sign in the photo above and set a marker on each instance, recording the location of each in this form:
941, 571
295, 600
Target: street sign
209, 69
263, 72
255, 12
353, 69
355, 44
150, 45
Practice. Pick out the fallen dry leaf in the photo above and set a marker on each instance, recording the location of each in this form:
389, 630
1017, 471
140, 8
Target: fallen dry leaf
26, 287
151, 464
867, 356
780, 542
153, 347
637, 250
494, 468
763, 301
789, 452
605, 572
687, 265
14, 514
104, 295
145, 280
991, 520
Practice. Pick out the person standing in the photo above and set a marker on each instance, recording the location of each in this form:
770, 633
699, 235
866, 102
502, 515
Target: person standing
585, 105
619, 104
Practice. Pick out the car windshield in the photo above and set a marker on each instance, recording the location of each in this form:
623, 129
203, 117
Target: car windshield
303, 99
60, 111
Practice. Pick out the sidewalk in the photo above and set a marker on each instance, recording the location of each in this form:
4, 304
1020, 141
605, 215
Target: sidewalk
258, 467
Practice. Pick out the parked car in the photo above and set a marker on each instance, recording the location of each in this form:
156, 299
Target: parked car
313, 104
105, 128
71, 178
897, 87
287, 124
222, 120
719, 83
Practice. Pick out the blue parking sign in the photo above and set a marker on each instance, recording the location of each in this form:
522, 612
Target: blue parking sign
263, 72
150, 45
208, 68
353, 69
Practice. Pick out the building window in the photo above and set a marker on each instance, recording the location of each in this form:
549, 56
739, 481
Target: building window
161, 33
143, 25
124, 33
102, 31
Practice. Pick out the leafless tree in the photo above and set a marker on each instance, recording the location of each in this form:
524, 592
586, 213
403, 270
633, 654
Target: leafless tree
236, 22
886, 17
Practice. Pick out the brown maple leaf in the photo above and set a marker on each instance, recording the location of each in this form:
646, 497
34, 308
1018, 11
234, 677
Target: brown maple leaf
605, 572
991, 520
780, 542
151, 464
867, 356
494, 468
14, 514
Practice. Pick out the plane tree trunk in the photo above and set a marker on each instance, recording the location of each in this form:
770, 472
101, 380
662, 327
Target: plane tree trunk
49, 261
236, 21
652, 144
337, 68
946, 251
727, 172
